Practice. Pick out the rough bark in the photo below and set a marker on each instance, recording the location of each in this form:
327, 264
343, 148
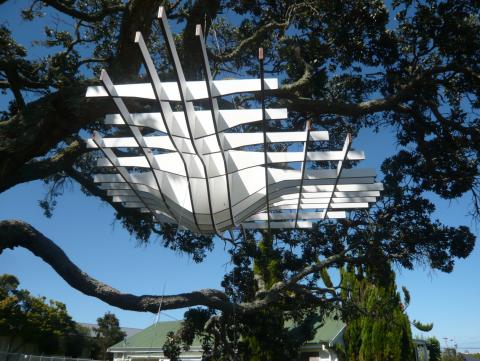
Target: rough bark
40, 125
41, 169
37, 129
77, 14
138, 16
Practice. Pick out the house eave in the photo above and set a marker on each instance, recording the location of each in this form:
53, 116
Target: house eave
144, 349
314, 346
332, 342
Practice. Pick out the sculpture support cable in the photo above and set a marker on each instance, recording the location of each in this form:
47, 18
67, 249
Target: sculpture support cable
193, 168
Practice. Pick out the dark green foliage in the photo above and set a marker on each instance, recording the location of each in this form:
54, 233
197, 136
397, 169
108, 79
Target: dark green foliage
425, 327
193, 324
275, 332
107, 333
171, 348
264, 331
267, 338
434, 352
47, 326
79, 343
379, 330
263, 335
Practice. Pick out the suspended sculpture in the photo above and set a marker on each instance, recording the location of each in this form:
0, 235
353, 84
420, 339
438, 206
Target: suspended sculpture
194, 170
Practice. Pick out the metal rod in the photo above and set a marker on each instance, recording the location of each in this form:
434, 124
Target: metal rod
346, 149
308, 127
215, 111
264, 124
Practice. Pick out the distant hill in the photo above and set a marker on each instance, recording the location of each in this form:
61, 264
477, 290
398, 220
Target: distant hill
130, 331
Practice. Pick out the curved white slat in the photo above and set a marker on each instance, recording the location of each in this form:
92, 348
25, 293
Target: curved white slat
322, 206
238, 159
159, 142
227, 119
301, 215
196, 90
236, 140
325, 200
232, 118
205, 179
277, 225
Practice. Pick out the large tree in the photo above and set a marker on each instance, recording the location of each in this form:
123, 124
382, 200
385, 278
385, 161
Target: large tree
346, 65
26, 319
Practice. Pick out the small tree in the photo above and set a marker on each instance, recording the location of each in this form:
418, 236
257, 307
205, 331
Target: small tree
108, 333
433, 346
434, 352
379, 330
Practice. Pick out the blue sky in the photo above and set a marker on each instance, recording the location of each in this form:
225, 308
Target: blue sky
85, 229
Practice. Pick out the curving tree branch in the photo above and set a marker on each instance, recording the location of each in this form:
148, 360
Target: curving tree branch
254, 38
392, 102
77, 14
15, 233
40, 169
44, 123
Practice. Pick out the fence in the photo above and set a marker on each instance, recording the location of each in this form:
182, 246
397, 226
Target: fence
8, 356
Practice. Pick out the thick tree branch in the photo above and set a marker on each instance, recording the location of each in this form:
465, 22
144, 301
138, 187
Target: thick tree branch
388, 103
44, 123
15, 233
139, 16
77, 14
40, 169
304, 80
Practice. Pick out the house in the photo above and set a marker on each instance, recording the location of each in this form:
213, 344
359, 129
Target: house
421, 350
147, 345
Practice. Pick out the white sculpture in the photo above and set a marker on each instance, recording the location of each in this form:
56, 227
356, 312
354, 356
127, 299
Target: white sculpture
198, 178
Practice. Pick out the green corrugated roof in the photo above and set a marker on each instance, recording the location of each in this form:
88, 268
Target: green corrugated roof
154, 336
325, 331
328, 331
